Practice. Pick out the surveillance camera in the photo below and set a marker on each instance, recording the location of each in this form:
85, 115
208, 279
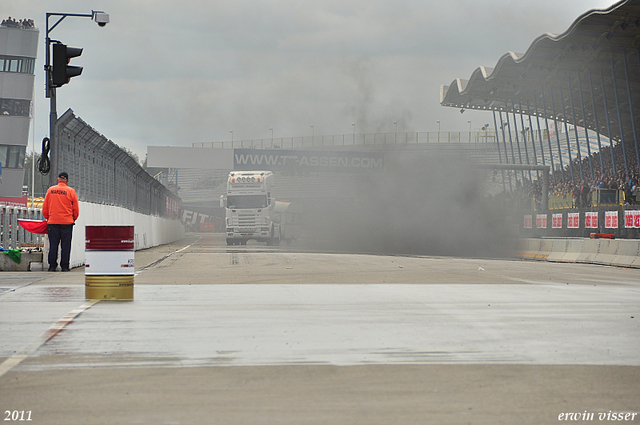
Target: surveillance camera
101, 19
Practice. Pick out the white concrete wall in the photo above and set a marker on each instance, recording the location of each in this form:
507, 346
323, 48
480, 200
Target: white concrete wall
149, 231
610, 252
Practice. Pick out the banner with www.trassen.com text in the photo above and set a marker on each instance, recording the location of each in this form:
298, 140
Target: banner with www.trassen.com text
301, 160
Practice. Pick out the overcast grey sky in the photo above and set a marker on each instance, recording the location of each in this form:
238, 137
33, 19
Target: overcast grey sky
167, 73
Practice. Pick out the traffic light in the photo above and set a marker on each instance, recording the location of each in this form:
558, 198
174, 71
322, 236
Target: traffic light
63, 72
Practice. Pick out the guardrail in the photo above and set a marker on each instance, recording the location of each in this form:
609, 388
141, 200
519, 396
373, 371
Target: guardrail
453, 137
12, 235
607, 197
560, 202
597, 198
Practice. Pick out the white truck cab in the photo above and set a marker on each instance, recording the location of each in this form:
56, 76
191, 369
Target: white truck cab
249, 204
253, 213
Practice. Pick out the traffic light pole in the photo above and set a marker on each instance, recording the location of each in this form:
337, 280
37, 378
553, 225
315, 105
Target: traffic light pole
51, 94
50, 89
53, 146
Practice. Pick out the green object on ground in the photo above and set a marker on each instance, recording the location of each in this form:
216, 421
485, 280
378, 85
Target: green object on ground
14, 254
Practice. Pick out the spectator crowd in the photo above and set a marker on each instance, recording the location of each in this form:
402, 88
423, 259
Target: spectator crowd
22, 23
528, 192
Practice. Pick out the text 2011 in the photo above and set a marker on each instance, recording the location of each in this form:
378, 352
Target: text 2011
17, 415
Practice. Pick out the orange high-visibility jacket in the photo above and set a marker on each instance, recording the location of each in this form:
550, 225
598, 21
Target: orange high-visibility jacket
61, 205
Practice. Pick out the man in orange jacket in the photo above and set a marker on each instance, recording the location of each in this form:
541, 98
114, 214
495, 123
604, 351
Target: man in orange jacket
61, 210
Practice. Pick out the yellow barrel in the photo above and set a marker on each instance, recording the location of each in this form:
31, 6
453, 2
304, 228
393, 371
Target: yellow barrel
109, 287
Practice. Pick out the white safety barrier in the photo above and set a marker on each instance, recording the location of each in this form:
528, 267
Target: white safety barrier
574, 249
149, 230
628, 253
589, 251
611, 252
558, 249
607, 251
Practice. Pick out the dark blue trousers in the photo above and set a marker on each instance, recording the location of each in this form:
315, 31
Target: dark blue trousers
60, 235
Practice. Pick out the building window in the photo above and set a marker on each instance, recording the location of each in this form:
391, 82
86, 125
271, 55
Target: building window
12, 156
15, 107
17, 64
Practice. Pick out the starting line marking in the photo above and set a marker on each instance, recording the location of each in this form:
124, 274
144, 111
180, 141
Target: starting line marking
68, 318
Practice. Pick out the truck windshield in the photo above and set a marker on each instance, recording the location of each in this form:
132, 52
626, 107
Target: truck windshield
246, 201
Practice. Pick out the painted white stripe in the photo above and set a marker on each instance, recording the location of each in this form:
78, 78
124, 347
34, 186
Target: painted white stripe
165, 257
17, 358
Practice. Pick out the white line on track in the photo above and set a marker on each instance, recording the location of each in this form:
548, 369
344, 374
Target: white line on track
68, 318
165, 257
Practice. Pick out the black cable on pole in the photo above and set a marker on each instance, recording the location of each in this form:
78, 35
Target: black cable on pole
44, 166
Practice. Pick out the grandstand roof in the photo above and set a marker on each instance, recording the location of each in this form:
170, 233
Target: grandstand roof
575, 69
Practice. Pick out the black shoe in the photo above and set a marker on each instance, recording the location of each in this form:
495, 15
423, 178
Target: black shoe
66, 270
52, 269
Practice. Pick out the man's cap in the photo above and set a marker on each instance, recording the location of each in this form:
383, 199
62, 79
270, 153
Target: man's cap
63, 175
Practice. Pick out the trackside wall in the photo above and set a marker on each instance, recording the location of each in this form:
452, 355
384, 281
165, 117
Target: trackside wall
149, 230
610, 252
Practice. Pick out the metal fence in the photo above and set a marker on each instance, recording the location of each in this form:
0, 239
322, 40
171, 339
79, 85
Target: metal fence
476, 136
101, 172
11, 234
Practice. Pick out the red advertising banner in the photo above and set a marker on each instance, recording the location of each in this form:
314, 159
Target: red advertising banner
556, 221
611, 219
541, 221
528, 221
14, 202
591, 220
573, 220
632, 219
173, 207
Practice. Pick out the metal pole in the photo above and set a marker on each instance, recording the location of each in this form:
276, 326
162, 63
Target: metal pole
606, 114
51, 93
633, 121
513, 155
566, 131
504, 186
575, 129
557, 130
546, 123
53, 113
504, 141
584, 120
595, 118
515, 125
615, 92
33, 151
524, 138
533, 141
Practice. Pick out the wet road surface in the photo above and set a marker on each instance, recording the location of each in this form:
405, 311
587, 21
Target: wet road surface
262, 314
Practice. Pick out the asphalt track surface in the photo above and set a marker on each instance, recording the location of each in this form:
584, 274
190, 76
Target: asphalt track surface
255, 334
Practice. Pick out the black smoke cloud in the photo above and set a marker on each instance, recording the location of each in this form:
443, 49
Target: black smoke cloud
421, 204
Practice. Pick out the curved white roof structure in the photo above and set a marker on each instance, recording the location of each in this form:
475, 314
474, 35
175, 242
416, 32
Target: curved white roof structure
588, 76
